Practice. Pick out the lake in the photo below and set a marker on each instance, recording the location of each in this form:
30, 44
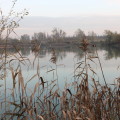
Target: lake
66, 63
62, 73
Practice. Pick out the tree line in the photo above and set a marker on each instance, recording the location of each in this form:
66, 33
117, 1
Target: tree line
60, 36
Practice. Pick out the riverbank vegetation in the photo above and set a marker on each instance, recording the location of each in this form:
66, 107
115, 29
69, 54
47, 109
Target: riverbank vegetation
83, 99
60, 38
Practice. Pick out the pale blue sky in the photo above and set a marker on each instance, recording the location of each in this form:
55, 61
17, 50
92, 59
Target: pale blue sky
69, 15
65, 8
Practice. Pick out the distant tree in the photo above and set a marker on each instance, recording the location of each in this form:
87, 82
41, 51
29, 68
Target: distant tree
79, 34
58, 34
25, 38
116, 37
112, 36
108, 35
39, 37
92, 36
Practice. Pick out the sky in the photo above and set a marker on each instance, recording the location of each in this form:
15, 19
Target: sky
57, 9
65, 8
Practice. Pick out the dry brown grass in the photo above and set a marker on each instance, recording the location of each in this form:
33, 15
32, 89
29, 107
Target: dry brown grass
78, 101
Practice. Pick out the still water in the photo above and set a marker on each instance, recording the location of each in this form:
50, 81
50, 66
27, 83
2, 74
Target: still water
66, 63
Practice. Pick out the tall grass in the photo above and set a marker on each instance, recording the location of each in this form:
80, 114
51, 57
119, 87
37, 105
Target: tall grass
46, 101
78, 101
7, 25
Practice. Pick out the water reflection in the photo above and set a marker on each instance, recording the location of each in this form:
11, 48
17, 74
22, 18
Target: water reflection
112, 52
61, 53
25, 51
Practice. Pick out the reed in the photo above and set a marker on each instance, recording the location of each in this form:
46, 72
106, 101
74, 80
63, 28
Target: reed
78, 101
46, 101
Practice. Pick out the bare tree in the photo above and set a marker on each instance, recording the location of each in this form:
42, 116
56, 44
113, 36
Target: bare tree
92, 36
79, 34
39, 37
25, 38
58, 34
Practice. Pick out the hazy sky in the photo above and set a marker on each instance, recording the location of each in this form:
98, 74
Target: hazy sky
59, 8
88, 9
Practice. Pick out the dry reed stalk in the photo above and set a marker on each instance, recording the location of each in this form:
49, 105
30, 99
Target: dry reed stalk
82, 103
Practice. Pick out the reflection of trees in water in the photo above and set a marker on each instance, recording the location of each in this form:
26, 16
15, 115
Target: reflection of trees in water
112, 52
11, 50
42, 53
60, 55
61, 52
25, 51
79, 54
